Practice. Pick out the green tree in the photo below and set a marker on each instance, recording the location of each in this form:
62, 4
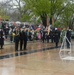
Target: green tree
66, 16
44, 8
3, 14
39, 8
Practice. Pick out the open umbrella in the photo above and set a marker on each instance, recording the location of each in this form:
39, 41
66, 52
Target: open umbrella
38, 29
17, 22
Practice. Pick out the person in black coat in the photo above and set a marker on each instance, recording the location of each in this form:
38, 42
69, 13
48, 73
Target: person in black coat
16, 38
21, 38
52, 35
1, 39
25, 38
68, 35
43, 35
56, 37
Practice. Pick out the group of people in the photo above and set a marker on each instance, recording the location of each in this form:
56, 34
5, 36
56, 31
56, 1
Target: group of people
56, 36
20, 36
66, 36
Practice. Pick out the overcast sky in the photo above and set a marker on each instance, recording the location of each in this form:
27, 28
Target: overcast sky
12, 2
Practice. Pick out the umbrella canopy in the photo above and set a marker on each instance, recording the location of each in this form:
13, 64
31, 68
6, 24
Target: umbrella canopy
38, 29
17, 22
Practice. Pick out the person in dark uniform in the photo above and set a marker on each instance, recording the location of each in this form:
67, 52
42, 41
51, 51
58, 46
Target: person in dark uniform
1, 39
16, 38
56, 37
29, 35
68, 35
25, 39
43, 35
21, 38
52, 34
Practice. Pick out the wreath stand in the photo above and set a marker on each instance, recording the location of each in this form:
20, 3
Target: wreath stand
66, 53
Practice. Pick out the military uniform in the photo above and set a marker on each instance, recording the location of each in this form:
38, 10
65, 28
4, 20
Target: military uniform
16, 39
1, 39
25, 39
68, 40
56, 37
21, 39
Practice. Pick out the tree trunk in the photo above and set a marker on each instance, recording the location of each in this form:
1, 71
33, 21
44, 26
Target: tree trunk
44, 19
52, 21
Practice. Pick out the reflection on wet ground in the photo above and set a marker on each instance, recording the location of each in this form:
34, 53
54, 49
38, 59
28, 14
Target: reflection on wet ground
39, 59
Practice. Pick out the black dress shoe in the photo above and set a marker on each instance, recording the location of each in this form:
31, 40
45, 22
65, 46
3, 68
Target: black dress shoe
16, 50
25, 49
21, 49
2, 48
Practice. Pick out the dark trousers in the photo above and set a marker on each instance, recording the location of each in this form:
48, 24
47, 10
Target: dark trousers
11, 38
68, 44
29, 37
68, 40
1, 42
25, 44
21, 44
47, 38
56, 43
16, 45
43, 39
1, 46
52, 39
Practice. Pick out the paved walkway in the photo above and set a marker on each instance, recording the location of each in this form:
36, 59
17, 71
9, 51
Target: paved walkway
38, 62
31, 46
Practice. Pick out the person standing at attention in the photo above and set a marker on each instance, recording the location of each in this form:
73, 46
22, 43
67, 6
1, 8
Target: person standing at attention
25, 38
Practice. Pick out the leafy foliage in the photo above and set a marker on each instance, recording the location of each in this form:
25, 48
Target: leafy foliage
3, 14
61, 10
